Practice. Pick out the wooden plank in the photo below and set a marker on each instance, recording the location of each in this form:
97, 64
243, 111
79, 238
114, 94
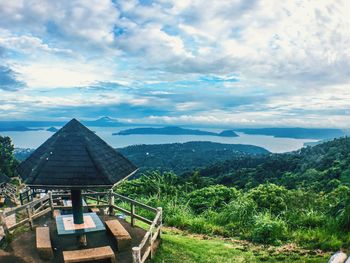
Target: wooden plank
24, 221
144, 240
143, 219
88, 206
127, 199
23, 207
89, 254
41, 213
146, 254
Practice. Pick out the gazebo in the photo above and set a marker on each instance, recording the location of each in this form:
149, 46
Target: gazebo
75, 159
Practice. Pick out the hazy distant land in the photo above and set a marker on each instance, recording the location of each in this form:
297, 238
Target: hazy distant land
174, 130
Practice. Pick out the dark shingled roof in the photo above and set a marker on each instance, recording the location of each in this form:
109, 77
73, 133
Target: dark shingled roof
74, 157
4, 178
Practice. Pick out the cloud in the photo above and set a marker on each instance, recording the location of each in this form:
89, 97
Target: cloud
247, 62
9, 80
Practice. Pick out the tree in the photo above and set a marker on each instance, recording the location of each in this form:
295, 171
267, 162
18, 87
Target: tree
7, 160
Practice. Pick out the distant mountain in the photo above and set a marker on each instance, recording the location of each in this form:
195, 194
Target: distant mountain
22, 125
104, 122
17, 128
31, 124
297, 133
183, 157
52, 129
173, 130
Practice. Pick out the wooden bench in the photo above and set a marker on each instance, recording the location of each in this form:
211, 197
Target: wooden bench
43, 242
122, 236
89, 254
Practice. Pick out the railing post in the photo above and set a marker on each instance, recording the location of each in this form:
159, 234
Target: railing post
160, 210
136, 255
3, 223
151, 244
51, 204
111, 202
132, 214
30, 219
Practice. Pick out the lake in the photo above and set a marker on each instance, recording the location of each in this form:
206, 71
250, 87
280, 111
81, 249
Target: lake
33, 139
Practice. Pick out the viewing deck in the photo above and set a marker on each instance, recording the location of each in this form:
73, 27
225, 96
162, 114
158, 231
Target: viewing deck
143, 230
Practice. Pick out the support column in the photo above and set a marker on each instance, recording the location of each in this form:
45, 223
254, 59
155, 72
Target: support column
77, 206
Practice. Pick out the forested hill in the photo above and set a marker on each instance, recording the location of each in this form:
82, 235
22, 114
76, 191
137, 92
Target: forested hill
173, 130
178, 157
181, 157
322, 167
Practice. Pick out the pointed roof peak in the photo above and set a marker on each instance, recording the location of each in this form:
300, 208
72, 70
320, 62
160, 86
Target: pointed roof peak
75, 157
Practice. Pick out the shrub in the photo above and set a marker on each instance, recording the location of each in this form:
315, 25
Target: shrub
238, 213
268, 230
212, 197
270, 196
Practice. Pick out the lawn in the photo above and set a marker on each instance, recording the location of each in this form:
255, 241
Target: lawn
180, 247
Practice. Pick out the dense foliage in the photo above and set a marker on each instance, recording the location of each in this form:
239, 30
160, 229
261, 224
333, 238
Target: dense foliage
301, 197
7, 161
182, 157
321, 167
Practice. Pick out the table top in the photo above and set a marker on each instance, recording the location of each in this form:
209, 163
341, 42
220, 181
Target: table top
66, 226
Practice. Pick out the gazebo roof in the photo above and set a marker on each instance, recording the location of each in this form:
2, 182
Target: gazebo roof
74, 157
4, 178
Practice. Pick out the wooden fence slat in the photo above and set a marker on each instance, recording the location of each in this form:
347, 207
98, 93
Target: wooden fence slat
127, 199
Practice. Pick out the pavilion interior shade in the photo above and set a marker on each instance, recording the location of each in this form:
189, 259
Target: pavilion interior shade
74, 157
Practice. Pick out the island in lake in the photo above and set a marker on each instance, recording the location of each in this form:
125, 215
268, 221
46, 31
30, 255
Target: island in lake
174, 130
52, 129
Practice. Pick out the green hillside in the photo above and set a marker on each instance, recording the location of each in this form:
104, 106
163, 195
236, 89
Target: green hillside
181, 157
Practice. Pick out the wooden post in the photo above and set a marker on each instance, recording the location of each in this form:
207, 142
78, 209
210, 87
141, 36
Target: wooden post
151, 244
136, 255
51, 204
111, 202
160, 210
3, 223
30, 219
132, 215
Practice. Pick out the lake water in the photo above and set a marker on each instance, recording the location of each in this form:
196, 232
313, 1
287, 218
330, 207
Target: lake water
33, 139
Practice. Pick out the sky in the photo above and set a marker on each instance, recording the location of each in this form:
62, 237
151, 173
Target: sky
234, 63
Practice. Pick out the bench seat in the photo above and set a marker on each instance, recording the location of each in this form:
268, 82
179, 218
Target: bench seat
89, 254
122, 236
43, 242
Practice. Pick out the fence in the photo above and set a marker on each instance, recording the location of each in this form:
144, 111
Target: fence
52, 201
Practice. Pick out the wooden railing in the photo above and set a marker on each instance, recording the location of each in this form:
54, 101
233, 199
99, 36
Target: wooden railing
27, 213
50, 202
10, 191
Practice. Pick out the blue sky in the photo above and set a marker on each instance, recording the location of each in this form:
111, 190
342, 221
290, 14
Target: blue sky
236, 63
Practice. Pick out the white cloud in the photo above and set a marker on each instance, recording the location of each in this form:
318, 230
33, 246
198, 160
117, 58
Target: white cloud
60, 74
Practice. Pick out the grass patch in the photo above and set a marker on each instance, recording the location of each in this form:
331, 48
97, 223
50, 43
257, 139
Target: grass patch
179, 247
